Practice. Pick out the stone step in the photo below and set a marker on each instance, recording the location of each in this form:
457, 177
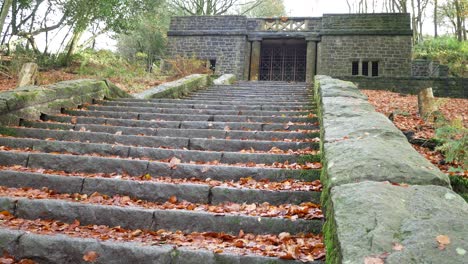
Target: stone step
186, 221
82, 148
154, 190
178, 124
154, 141
174, 132
148, 108
182, 117
24, 244
268, 107
134, 167
221, 101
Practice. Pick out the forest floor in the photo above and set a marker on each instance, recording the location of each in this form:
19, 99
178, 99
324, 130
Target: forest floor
404, 111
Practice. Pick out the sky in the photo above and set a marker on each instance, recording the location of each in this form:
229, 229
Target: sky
314, 7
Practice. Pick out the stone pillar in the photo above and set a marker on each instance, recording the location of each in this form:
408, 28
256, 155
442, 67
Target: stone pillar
311, 60
248, 49
255, 60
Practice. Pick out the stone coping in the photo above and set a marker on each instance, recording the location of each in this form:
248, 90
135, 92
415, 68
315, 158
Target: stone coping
383, 201
225, 79
178, 88
30, 102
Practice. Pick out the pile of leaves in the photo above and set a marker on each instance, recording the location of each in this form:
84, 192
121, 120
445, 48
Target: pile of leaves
303, 247
403, 110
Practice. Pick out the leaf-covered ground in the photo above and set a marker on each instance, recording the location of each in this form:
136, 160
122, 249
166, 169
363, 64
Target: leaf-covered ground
404, 109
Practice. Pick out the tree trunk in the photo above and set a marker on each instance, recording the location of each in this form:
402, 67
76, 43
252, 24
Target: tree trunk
4, 12
73, 44
28, 74
435, 19
426, 103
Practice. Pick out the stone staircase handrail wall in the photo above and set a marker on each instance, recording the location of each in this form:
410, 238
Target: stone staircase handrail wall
382, 199
30, 102
178, 88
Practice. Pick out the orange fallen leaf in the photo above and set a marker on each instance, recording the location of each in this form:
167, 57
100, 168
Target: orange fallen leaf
90, 256
443, 241
173, 199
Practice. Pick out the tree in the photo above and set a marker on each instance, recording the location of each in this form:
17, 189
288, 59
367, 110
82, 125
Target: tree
455, 12
148, 38
210, 7
4, 12
419, 8
267, 8
436, 22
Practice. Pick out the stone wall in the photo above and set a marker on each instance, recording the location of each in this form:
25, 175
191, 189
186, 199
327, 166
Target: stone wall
220, 38
228, 51
428, 68
336, 54
208, 23
442, 87
394, 24
384, 202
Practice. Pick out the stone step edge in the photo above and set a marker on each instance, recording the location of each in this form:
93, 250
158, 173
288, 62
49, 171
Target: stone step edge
129, 217
230, 145
91, 164
207, 117
231, 133
153, 191
77, 148
176, 124
53, 248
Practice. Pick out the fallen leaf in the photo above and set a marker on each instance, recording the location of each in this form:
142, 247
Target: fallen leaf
373, 260
90, 256
173, 163
397, 246
443, 241
173, 199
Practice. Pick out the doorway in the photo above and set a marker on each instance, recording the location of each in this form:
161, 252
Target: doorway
283, 60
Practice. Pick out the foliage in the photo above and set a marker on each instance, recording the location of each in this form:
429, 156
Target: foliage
454, 138
146, 41
460, 185
448, 51
181, 66
267, 8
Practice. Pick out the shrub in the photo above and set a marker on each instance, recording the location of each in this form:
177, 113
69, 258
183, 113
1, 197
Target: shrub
182, 66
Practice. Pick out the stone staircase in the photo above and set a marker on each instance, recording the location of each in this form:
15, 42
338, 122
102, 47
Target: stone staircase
228, 175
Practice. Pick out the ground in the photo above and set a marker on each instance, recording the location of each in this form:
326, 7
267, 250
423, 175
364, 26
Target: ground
405, 116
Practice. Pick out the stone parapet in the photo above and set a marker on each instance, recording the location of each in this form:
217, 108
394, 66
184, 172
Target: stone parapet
30, 102
442, 87
178, 88
383, 201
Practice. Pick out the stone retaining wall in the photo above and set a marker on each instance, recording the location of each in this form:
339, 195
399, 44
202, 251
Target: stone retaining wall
442, 87
31, 101
178, 88
382, 199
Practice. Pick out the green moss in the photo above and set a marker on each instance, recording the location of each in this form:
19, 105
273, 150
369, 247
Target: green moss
308, 158
310, 175
460, 186
7, 131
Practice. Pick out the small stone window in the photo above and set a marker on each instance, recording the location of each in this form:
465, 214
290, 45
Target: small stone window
375, 68
355, 68
365, 68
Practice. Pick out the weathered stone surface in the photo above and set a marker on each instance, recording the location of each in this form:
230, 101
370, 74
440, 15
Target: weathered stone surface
384, 158
28, 74
370, 218
59, 184
225, 79
9, 240
176, 89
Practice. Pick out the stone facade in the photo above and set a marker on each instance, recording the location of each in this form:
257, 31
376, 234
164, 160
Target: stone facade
333, 43
337, 53
428, 68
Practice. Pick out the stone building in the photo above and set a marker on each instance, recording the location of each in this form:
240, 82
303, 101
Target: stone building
294, 49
